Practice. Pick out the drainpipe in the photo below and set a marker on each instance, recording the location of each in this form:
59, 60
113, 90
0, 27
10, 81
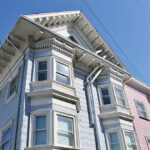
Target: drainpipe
91, 104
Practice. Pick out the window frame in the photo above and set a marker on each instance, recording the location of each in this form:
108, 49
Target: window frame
147, 138
36, 67
66, 63
9, 125
76, 143
137, 101
33, 125
135, 139
102, 96
120, 88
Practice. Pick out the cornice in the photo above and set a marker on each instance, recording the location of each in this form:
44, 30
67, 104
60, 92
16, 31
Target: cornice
54, 44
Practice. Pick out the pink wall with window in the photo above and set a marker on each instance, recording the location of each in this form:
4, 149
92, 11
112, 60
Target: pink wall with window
142, 126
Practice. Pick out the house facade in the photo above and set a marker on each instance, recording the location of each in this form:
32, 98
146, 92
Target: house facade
63, 88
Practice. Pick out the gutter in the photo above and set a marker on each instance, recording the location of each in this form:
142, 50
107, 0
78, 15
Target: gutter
91, 105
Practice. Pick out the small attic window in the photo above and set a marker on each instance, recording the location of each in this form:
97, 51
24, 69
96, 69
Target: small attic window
73, 39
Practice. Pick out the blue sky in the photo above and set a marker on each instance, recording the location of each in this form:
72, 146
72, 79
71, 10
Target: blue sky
128, 21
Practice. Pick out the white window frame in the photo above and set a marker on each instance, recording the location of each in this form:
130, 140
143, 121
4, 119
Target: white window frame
119, 133
9, 125
36, 65
148, 144
120, 88
48, 127
76, 142
110, 90
66, 63
135, 139
145, 110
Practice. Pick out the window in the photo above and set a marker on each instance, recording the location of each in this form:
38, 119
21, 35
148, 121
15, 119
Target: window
148, 142
130, 141
120, 97
105, 96
65, 134
114, 141
13, 87
6, 134
72, 38
141, 109
62, 73
40, 130
42, 70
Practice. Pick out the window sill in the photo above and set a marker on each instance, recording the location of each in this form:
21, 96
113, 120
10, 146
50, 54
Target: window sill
10, 98
147, 119
50, 147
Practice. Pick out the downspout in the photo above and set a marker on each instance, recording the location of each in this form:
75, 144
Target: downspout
91, 104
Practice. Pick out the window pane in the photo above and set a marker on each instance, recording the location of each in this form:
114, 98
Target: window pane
106, 100
62, 78
72, 38
41, 122
42, 76
129, 137
43, 65
140, 106
12, 90
62, 68
40, 137
6, 135
64, 138
104, 91
115, 147
114, 138
121, 101
64, 123
5, 146
131, 147
119, 92
148, 140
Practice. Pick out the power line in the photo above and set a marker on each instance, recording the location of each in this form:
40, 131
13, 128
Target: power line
115, 42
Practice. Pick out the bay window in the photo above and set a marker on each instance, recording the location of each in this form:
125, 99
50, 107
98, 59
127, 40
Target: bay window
62, 73
130, 141
114, 141
65, 134
120, 97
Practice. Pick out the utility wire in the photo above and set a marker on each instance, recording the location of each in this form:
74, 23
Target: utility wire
115, 42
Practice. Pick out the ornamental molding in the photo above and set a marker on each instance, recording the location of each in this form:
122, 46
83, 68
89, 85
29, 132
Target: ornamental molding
55, 44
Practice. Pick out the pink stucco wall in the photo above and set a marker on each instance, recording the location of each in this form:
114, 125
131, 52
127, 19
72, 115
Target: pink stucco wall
142, 126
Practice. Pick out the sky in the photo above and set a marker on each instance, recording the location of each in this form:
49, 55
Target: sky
124, 24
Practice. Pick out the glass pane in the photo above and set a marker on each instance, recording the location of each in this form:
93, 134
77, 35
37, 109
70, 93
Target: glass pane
5, 146
62, 68
72, 38
43, 65
115, 147
119, 93
64, 139
42, 76
143, 114
6, 135
148, 140
131, 147
104, 91
121, 101
64, 123
13, 82
62, 78
140, 106
106, 100
40, 137
114, 138
129, 137
41, 122
12, 90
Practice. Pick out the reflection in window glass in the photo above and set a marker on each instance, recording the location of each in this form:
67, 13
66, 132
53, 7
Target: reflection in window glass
130, 141
40, 130
120, 97
42, 71
141, 109
114, 142
62, 73
64, 131
105, 96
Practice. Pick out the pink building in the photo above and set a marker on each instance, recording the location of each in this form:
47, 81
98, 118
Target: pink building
138, 96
